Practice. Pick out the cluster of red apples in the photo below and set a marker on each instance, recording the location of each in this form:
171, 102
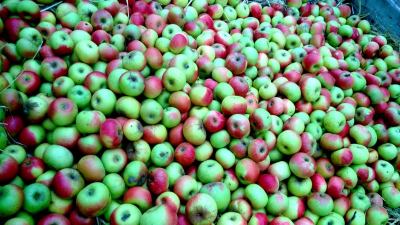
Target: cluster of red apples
196, 112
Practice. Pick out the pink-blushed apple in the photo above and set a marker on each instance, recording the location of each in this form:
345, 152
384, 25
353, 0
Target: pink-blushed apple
111, 133
139, 197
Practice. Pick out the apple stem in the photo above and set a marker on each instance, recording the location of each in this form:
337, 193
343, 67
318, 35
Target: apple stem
188, 4
50, 6
127, 5
340, 2
359, 8
13, 140
16, 77
100, 221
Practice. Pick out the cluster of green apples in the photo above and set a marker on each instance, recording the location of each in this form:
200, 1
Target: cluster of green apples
177, 112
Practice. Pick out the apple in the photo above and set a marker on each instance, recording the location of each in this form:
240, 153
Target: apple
80, 95
360, 201
180, 100
209, 171
58, 157
125, 214
95, 80
76, 218
238, 126
53, 218
61, 86
247, 171
170, 199
36, 197
131, 83
87, 51
91, 168
233, 105
231, 218
28, 82
111, 133
89, 122
277, 203
296, 208
291, 147
155, 134
162, 154
334, 121
17, 220
383, 170
174, 79
13, 124
135, 173
185, 187
93, 199
11, 200
67, 183
201, 209
256, 195
138, 196
9, 168
31, 168
62, 111
158, 181
320, 203
89, 144
200, 95
191, 128
185, 154
16, 151
302, 165
61, 43
160, 214
114, 160
376, 215
236, 63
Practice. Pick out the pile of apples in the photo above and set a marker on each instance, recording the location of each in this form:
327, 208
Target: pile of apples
196, 112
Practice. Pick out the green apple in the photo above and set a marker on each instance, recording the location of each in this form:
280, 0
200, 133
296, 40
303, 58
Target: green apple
36, 197
58, 157
219, 192
162, 154
320, 203
11, 200
256, 195
277, 203
210, 171
93, 199
151, 112
128, 107
87, 51
334, 122
125, 214
288, 148
131, 83
355, 216
377, 215
231, 218
160, 214
104, 100
80, 95
174, 79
